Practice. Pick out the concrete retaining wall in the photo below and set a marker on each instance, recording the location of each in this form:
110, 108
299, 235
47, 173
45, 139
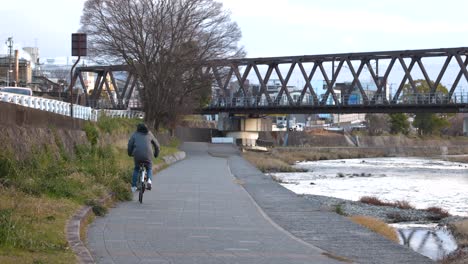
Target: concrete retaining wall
16, 115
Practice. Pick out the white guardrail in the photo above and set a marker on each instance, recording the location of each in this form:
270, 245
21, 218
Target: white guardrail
63, 108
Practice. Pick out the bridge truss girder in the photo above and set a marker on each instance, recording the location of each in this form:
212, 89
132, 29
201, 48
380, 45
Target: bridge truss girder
104, 82
224, 71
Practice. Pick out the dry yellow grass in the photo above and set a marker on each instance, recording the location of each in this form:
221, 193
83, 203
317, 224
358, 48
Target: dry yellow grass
376, 226
460, 232
267, 163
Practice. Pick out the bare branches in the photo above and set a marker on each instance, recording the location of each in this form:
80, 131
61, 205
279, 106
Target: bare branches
168, 43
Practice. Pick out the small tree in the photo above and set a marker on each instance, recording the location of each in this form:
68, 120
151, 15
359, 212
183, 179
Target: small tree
428, 123
399, 124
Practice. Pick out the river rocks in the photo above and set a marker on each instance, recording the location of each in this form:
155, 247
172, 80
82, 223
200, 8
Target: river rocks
387, 214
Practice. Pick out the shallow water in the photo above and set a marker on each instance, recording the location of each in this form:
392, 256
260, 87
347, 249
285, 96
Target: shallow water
420, 181
429, 240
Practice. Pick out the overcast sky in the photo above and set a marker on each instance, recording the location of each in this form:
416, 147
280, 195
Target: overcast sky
272, 27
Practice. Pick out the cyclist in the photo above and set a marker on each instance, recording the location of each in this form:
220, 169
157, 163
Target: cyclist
139, 146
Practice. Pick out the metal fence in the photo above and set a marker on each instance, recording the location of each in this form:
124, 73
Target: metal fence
63, 108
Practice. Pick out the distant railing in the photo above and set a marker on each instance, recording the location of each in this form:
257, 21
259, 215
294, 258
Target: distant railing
121, 113
406, 99
63, 108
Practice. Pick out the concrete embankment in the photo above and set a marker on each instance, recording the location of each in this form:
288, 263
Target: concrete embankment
393, 145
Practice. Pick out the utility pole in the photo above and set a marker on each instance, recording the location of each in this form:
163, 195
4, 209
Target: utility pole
9, 43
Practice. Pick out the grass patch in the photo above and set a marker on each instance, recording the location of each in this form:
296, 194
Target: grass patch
339, 209
267, 163
460, 232
33, 224
40, 193
376, 226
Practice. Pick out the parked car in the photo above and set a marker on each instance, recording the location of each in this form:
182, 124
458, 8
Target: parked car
297, 127
17, 90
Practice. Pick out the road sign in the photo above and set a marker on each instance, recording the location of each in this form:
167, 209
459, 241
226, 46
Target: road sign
79, 44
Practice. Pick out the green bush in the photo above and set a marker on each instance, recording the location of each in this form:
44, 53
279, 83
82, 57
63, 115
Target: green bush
117, 125
92, 134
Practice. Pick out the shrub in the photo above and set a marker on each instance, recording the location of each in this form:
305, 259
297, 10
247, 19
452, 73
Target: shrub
403, 205
339, 210
376, 201
373, 201
92, 134
437, 213
376, 226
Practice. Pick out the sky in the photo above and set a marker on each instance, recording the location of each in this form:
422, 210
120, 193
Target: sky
272, 27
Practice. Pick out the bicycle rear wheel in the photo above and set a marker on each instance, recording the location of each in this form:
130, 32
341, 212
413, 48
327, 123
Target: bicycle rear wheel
141, 188
140, 194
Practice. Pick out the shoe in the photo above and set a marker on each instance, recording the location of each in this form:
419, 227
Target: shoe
134, 189
148, 186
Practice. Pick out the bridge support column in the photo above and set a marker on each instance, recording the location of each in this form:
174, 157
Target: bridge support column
465, 126
247, 138
243, 129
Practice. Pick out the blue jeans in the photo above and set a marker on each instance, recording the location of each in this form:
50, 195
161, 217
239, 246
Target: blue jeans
148, 171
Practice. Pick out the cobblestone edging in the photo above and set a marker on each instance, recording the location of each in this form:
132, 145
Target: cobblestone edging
72, 229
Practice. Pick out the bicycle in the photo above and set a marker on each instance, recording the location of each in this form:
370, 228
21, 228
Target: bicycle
142, 181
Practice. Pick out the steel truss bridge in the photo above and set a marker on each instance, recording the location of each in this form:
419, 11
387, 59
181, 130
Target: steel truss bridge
405, 66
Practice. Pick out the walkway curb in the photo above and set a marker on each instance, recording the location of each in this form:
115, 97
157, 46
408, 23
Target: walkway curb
72, 228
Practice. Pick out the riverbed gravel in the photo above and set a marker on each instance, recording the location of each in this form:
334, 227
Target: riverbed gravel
387, 214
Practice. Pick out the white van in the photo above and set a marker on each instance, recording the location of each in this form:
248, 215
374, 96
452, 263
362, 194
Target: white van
17, 90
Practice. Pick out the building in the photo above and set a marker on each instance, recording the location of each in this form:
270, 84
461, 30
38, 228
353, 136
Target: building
8, 71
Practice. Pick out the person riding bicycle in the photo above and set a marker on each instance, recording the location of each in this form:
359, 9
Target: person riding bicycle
139, 146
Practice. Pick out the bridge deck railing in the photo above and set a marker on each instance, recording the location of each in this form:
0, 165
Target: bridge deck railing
408, 99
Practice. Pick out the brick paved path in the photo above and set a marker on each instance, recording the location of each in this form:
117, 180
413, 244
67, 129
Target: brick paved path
197, 212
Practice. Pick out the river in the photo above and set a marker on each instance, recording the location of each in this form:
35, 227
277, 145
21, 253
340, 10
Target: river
422, 182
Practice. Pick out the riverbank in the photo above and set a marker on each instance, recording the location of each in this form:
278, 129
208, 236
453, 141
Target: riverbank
267, 162
457, 225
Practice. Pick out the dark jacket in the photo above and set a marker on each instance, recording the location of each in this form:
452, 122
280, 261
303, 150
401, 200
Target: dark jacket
139, 145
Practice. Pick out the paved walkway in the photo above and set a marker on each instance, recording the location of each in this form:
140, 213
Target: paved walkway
198, 212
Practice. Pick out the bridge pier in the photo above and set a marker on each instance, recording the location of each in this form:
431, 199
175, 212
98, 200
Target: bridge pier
465, 126
244, 129
248, 139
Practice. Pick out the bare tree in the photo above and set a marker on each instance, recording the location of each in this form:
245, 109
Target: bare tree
378, 124
167, 43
